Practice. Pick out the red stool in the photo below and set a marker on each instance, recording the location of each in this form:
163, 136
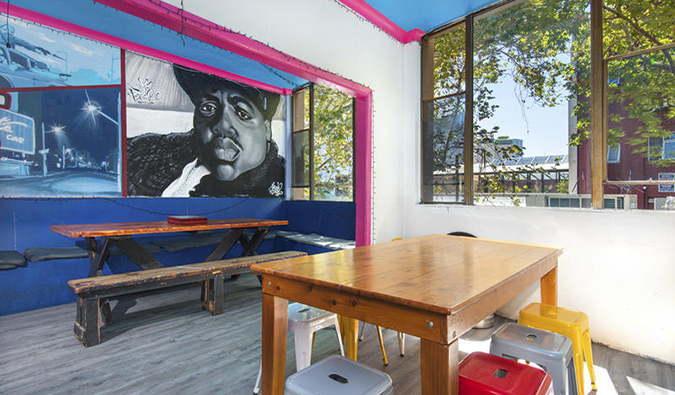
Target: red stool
482, 373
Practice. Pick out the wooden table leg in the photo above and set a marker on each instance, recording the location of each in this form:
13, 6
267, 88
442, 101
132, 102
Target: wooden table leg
274, 328
439, 367
549, 287
350, 331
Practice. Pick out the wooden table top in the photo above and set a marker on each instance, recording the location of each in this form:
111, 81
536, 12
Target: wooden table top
138, 228
436, 273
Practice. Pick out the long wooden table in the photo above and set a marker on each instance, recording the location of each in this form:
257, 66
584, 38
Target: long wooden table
434, 287
120, 234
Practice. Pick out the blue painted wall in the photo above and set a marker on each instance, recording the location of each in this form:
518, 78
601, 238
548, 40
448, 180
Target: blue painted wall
24, 223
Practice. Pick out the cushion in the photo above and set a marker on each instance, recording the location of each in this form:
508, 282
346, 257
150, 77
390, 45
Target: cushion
11, 260
42, 254
317, 240
148, 247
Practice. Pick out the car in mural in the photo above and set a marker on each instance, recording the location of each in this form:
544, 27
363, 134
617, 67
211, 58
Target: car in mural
20, 70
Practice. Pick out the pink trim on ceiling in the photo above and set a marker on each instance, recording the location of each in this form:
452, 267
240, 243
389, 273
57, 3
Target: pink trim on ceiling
119, 42
192, 25
367, 11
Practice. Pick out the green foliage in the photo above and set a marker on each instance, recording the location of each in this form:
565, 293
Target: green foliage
333, 144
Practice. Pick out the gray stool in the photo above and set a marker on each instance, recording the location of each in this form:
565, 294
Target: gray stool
337, 375
551, 351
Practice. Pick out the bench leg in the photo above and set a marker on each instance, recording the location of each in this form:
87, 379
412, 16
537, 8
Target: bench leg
87, 327
215, 294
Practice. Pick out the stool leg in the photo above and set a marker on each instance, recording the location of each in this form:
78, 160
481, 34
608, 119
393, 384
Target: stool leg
339, 336
578, 362
303, 349
384, 353
401, 343
362, 330
588, 354
256, 387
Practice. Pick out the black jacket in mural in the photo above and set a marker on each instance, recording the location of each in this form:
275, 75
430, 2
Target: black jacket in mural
154, 161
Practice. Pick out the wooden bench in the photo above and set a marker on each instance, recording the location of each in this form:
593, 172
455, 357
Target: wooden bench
212, 274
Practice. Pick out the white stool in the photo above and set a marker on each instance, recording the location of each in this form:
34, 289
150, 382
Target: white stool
338, 375
303, 321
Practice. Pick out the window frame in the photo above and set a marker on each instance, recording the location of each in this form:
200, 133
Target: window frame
598, 102
311, 130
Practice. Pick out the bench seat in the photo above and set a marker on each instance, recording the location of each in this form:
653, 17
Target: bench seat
318, 240
90, 291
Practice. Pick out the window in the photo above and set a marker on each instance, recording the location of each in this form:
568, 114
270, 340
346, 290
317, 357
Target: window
443, 117
515, 89
322, 144
613, 153
525, 93
669, 147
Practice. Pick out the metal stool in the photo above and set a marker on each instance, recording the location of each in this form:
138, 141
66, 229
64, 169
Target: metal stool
304, 321
482, 373
550, 351
569, 323
338, 375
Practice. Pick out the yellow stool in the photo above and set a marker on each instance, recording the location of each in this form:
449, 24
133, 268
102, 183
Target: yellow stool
569, 323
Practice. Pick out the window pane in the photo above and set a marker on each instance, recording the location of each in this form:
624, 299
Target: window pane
450, 62
333, 145
301, 110
443, 151
634, 25
301, 159
530, 104
641, 118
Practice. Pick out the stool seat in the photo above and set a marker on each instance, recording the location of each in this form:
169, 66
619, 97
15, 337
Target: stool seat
551, 351
569, 323
485, 374
337, 375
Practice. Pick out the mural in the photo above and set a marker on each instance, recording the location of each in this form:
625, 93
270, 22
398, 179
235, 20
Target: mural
61, 143
35, 56
195, 134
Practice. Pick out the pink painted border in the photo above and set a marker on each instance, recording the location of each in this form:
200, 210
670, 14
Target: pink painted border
367, 11
191, 25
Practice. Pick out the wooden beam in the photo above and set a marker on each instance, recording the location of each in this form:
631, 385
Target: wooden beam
598, 84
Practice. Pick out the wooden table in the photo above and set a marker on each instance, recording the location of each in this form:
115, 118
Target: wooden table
434, 287
120, 234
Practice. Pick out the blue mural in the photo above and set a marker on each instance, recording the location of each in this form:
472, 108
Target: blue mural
61, 143
35, 56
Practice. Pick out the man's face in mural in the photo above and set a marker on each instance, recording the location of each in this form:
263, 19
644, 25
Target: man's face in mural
231, 132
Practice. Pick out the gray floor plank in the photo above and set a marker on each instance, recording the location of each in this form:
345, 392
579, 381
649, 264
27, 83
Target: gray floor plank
164, 343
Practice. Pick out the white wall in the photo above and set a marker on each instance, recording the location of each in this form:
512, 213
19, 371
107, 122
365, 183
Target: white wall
618, 267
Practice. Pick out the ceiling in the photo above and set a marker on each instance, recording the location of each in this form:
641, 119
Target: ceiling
408, 15
426, 15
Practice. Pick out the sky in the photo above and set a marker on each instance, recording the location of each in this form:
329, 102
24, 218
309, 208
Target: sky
548, 127
89, 62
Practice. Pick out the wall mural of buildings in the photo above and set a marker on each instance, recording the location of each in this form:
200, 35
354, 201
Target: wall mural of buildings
61, 134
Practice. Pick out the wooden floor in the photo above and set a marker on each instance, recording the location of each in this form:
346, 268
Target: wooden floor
163, 343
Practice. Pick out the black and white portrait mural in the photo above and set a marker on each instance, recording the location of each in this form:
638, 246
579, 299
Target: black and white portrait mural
61, 135
194, 134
